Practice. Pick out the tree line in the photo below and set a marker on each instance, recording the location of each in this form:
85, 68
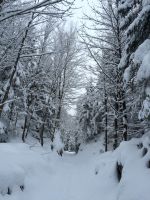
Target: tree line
40, 64
117, 39
39, 57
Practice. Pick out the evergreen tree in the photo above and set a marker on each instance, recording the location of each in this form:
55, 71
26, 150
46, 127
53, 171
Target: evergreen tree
135, 60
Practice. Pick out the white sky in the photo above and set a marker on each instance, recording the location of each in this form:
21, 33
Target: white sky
83, 7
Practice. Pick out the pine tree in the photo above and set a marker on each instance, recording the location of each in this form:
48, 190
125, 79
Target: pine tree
135, 21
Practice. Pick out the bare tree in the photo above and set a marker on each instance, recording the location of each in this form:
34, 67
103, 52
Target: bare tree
104, 41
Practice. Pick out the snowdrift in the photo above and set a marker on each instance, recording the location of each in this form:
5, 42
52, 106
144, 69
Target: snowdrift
35, 173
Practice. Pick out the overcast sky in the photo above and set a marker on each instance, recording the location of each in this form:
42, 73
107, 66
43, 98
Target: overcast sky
83, 7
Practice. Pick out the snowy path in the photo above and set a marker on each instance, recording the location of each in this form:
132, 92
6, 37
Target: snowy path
51, 177
89, 175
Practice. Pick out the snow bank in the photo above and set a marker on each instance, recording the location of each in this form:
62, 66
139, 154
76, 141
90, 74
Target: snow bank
134, 156
16, 162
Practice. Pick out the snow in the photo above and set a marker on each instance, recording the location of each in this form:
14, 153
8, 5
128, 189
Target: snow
58, 145
126, 75
3, 132
142, 50
145, 10
2, 128
145, 111
144, 70
125, 4
145, 2
142, 57
6, 107
17, 81
87, 175
147, 91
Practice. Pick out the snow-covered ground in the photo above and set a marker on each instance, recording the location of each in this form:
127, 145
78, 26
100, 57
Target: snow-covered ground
89, 175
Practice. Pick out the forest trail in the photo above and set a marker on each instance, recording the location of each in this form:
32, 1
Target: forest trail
48, 176
30, 172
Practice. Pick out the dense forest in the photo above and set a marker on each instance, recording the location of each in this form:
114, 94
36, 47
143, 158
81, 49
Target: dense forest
99, 68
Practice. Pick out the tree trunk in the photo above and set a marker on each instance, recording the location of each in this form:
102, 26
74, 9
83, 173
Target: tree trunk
106, 118
24, 128
125, 127
116, 133
106, 122
41, 134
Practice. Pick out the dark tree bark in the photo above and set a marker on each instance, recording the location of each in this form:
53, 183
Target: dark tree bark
24, 128
41, 134
106, 117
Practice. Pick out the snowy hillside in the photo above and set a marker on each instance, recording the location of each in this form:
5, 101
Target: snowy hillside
30, 172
